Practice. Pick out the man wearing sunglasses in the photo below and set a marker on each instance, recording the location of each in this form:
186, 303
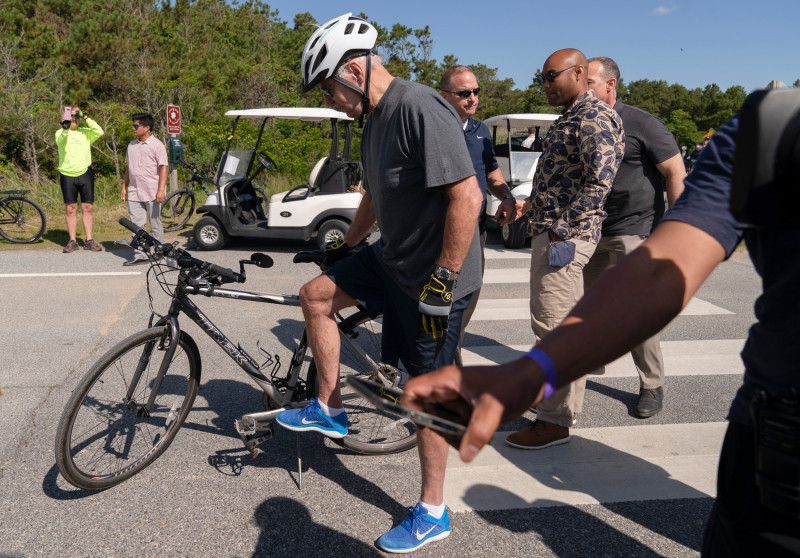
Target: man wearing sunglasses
459, 87
581, 154
145, 184
651, 165
421, 188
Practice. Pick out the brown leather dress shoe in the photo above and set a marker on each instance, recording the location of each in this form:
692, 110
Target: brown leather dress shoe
538, 435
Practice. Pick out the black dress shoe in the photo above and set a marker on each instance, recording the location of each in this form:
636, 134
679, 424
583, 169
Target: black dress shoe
650, 402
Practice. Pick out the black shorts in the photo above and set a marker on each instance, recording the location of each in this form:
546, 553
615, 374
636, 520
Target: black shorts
71, 186
403, 342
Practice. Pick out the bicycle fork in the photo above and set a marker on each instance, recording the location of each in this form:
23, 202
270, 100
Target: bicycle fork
170, 336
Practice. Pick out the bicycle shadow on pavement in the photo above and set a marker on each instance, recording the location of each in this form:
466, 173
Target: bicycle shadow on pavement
296, 534
229, 399
52, 484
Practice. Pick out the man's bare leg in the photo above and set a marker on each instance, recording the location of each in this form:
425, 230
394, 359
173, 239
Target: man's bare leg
320, 300
433, 451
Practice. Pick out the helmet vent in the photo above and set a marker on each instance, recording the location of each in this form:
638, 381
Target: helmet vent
349, 28
320, 57
363, 29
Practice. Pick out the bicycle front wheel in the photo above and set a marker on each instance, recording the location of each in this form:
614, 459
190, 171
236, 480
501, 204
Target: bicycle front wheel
177, 209
105, 437
370, 431
21, 220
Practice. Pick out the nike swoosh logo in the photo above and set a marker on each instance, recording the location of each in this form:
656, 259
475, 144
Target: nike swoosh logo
421, 536
306, 421
479, 137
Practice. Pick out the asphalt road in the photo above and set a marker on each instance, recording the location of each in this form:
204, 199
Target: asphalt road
206, 496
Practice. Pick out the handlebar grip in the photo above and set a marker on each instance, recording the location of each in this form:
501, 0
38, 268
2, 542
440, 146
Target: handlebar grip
225, 273
128, 224
140, 233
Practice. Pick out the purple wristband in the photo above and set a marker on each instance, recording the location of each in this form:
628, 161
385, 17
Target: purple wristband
540, 357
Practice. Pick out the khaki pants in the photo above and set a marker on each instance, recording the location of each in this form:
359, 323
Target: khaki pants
554, 292
647, 356
140, 213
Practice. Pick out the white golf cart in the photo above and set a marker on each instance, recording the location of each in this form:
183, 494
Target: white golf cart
517, 163
323, 207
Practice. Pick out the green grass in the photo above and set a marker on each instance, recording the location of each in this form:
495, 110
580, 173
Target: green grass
108, 208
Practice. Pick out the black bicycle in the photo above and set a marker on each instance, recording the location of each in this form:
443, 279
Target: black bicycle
22, 221
179, 205
129, 406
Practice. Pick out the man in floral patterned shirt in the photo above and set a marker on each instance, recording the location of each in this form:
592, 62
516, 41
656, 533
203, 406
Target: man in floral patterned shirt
581, 154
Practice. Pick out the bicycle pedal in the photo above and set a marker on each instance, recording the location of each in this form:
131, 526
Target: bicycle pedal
253, 433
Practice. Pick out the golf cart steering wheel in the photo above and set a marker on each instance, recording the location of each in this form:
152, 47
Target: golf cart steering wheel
267, 162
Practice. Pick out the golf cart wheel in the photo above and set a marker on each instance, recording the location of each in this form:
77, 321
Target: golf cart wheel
330, 231
209, 234
514, 234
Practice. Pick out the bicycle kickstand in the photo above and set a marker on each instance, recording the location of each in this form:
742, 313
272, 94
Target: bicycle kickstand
253, 431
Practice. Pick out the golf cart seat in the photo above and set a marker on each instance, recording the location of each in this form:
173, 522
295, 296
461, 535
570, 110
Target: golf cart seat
302, 191
329, 176
244, 201
313, 176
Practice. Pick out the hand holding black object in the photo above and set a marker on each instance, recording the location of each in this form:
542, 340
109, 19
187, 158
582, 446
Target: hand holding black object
435, 302
335, 251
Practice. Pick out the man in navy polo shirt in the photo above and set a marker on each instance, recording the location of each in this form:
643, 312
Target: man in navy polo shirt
459, 87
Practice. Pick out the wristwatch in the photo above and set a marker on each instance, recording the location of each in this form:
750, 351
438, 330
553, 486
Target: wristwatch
444, 274
508, 197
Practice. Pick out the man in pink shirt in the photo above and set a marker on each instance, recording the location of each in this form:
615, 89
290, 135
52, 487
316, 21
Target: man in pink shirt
145, 184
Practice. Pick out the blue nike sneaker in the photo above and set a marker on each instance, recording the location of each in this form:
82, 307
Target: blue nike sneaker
311, 418
416, 530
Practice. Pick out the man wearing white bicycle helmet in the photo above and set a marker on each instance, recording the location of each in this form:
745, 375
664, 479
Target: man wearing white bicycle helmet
421, 188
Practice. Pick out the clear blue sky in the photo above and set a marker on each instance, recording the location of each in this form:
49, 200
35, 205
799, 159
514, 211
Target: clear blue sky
691, 42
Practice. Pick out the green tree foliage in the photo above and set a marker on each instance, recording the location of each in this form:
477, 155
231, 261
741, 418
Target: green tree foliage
684, 129
209, 56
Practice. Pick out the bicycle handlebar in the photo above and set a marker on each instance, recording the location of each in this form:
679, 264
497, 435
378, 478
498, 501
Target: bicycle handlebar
184, 259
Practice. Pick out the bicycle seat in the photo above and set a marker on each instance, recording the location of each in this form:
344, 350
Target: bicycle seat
309, 256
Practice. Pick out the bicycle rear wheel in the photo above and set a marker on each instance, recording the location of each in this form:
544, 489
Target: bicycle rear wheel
22, 221
177, 209
370, 431
104, 439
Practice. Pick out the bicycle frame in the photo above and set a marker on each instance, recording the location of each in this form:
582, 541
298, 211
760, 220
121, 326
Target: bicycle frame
182, 303
196, 180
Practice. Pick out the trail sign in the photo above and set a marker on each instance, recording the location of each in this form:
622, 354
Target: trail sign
173, 119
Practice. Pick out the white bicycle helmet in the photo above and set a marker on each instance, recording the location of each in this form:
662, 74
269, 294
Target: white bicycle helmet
333, 44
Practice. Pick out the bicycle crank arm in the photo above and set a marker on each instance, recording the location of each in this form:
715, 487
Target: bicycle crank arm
253, 431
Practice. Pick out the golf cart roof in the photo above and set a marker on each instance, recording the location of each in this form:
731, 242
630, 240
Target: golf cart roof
522, 120
291, 113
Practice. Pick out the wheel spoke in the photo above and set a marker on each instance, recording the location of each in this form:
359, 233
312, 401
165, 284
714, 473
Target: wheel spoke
21, 220
102, 438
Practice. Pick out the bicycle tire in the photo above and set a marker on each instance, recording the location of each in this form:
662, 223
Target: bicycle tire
101, 440
22, 221
177, 209
370, 431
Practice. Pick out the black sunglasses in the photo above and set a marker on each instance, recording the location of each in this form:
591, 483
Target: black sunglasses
550, 76
465, 93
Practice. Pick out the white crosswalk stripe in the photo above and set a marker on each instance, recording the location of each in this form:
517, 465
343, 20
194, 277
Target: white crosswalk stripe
681, 358
607, 464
